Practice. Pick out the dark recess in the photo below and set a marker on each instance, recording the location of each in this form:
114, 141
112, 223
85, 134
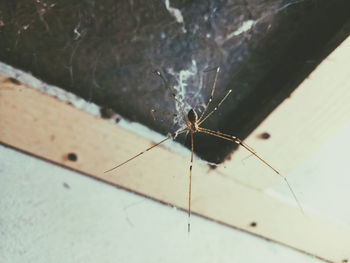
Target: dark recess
106, 51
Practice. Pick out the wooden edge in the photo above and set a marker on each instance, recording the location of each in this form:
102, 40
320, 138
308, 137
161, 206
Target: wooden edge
298, 128
51, 129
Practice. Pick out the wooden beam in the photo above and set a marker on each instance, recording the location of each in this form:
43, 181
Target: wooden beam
54, 130
299, 127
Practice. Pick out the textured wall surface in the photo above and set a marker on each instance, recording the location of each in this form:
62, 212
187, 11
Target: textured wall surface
50, 214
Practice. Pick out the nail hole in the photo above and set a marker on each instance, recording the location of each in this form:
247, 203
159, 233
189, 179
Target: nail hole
265, 136
65, 185
253, 224
72, 157
117, 119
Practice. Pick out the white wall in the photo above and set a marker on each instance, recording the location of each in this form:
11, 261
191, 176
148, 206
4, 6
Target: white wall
51, 214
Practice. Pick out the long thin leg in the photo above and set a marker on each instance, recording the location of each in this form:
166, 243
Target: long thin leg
171, 114
201, 120
190, 185
153, 146
172, 92
137, 155
240, 142
166, 84
211, 95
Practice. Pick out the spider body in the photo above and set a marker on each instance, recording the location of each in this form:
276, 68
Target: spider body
192, 121
193, 125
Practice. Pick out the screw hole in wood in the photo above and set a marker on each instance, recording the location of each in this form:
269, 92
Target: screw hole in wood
72, 157
265, 135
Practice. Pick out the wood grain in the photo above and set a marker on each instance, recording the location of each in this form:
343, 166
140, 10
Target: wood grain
51, 129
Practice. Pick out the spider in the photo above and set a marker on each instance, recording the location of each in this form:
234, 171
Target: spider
193, 125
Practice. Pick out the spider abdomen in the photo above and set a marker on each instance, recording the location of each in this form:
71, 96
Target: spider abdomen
192, 120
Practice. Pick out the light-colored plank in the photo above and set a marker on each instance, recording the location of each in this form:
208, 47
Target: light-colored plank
48, 128
44, 126
81, 220
314, 112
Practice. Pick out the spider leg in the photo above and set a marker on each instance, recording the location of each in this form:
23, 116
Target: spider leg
202, 119
172, 92
190, 185
248, 148
137, 155
212, 93
146, 150
171, 114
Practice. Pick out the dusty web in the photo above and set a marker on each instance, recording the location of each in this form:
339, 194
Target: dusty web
189, 76
183, 104
193, 74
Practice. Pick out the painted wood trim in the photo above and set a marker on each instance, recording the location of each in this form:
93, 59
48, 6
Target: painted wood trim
56, 131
